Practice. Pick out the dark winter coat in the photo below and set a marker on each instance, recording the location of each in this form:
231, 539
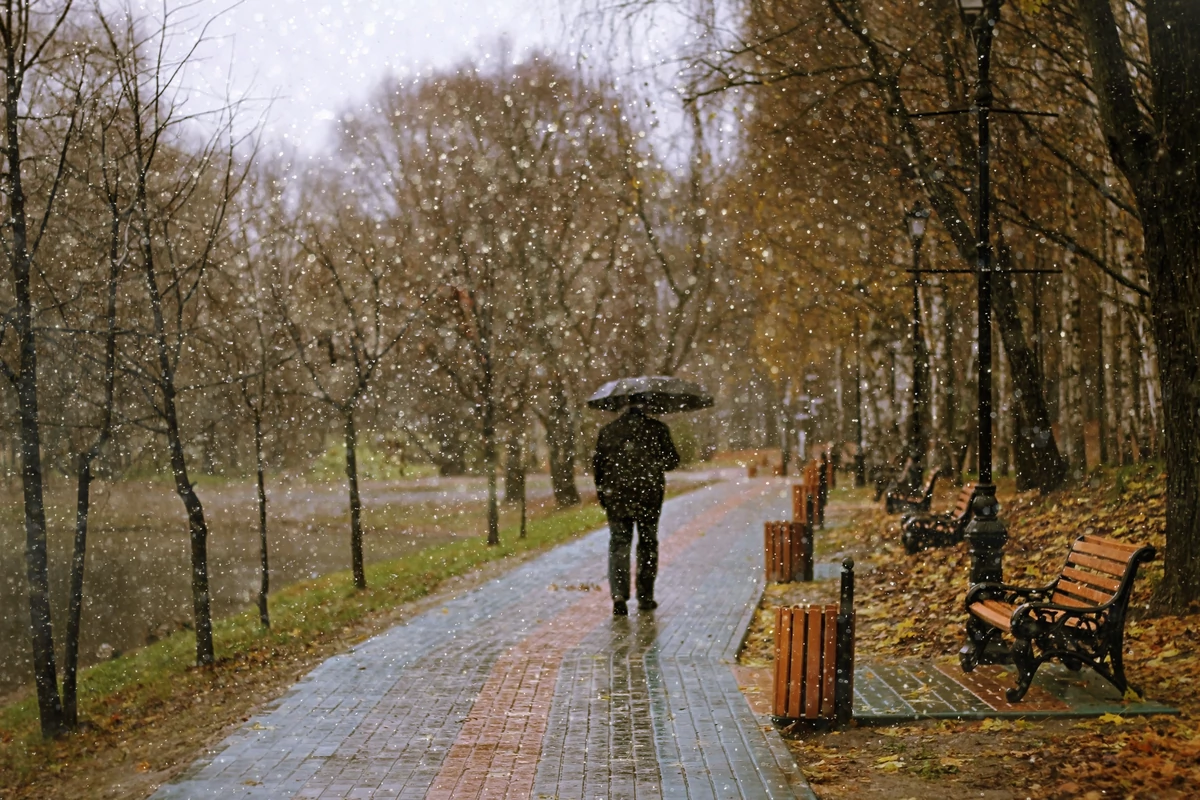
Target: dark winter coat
631, 456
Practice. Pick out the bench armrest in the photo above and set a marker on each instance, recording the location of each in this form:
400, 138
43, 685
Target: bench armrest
1036, 618
1007, 593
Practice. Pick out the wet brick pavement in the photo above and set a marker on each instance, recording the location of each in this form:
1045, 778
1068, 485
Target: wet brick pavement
913, 689
528, 687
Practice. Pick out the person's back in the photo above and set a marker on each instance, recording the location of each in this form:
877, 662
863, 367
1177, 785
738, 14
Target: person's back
632, 453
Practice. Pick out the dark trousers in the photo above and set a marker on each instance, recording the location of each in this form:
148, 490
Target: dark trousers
619, 544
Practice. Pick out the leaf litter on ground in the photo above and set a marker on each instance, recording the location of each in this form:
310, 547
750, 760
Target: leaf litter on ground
912, 606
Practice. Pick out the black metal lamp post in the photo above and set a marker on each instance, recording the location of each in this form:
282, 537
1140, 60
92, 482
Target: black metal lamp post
917, 438
986, 534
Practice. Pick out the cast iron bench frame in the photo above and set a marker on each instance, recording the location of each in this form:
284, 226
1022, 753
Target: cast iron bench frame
939, 530
1078, 618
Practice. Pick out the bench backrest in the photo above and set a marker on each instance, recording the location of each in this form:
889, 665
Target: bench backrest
962, 506
1097, 571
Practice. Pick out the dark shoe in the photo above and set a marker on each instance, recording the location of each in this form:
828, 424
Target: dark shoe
647, 605
620, 609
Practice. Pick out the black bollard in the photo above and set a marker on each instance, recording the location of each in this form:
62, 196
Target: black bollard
843, 695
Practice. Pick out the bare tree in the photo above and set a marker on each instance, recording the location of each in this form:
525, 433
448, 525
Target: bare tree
346, 308
28, 30
181, 197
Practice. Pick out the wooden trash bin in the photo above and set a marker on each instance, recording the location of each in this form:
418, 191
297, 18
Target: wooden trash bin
788, 550
814, 658
800, 502
805, 661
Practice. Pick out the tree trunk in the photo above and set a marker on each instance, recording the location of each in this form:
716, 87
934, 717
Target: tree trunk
197, 531
941, 372
967, 436
514, 466
25, 382
356, 534
1162, 165
1102, 382
1151, 381
1126, 412
489, 458
1005, 414
1112, 375
1175, 294
1070, 406
83, 495
560, 439
1043, 465
839, 398
264, 614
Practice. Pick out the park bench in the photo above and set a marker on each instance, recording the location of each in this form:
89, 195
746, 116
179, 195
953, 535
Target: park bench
1078, 618
887, 476
902, 500
920, 531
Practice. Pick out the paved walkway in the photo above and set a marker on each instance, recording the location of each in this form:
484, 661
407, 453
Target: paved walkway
925, 689
528, 687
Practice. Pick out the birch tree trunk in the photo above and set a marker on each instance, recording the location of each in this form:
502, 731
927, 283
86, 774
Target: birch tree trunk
1110, 330
1070, 408
1004, 420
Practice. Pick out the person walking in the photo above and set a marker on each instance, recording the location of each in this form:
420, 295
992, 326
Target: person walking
632, 454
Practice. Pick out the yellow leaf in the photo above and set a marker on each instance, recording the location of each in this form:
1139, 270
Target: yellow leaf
1113, 719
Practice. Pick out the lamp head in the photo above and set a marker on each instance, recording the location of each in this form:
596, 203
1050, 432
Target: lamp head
916, 218
971, 9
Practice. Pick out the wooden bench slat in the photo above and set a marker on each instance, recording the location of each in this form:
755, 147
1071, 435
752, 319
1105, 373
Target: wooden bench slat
1114, 568
1104, 549
995, 613
1094, 539
1082, 591
1064, 599
1104, 582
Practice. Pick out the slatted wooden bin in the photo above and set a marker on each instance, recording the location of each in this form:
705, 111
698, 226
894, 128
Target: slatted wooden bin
814, 658
805, 661
788, 551
800, 502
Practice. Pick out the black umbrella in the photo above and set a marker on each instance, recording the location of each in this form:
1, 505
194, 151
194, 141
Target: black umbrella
661, 395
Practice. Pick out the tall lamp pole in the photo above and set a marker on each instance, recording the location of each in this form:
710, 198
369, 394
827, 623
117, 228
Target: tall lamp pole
986, 534
918, 443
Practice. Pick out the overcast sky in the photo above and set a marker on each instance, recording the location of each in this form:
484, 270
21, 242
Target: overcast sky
316, 57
